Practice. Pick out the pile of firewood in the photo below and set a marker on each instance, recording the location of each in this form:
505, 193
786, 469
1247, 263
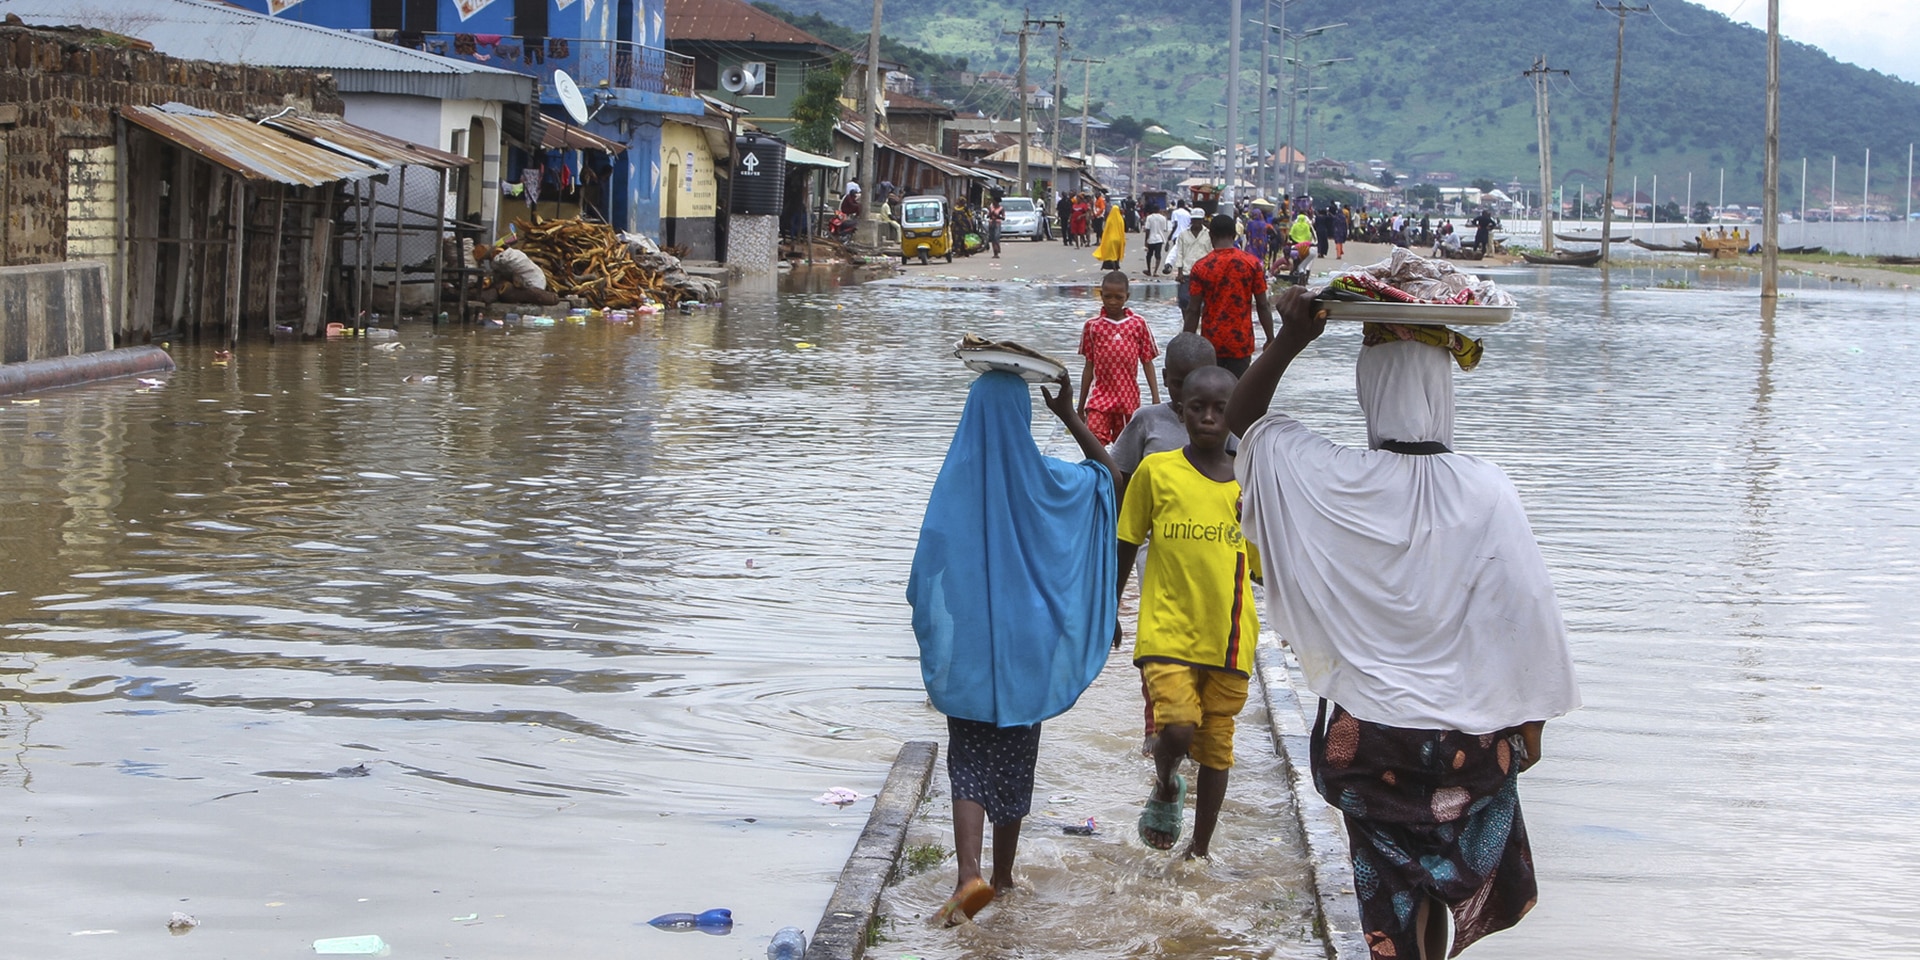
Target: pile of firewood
590, 261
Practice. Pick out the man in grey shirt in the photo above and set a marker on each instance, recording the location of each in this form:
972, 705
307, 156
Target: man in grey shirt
1158, 427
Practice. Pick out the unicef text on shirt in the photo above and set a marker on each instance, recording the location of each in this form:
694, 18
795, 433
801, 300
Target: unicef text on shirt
1210, 532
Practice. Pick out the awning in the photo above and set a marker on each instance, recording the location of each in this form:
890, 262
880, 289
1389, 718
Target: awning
253, 151
795, 155
360, 143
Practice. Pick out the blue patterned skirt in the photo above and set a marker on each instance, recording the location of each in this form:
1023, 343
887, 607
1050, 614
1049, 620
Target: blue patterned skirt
1431, 814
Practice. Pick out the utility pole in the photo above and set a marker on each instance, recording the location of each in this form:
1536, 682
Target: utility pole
1538, 74
1232, 191
1266, 54
1619, 10
868, 228
1770, 202
1053, 168
1086, 98
1026, 134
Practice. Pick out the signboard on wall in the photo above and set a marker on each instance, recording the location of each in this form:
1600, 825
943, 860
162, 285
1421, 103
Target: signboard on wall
277, 7
467, 8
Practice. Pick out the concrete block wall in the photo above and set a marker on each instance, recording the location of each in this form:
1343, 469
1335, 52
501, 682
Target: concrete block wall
60, 87
753, 244
54, 310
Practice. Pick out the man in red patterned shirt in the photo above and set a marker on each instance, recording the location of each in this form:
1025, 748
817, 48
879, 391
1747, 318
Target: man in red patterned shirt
1225, 288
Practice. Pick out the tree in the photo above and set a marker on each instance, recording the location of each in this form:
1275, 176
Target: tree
1484, 185
1387, 179
1127, 129
1426, 193
1702, 212
818, 105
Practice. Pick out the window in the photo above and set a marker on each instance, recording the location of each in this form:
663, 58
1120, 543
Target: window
706, 72
765, 88
419, 16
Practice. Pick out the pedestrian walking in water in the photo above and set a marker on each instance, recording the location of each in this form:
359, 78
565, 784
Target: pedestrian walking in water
1195, 638
996, 216
1012, 589
1116, 345
1156, 230
1408, 581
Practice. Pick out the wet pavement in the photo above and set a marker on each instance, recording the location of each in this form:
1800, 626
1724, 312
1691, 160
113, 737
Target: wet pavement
599, 610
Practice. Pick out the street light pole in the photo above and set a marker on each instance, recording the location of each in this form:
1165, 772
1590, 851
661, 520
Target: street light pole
869, 225
1233, 104
1770, 198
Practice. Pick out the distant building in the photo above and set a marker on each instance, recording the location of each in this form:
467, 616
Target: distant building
913, 120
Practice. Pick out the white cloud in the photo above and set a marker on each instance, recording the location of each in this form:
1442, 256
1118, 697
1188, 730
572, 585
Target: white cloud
1877, 34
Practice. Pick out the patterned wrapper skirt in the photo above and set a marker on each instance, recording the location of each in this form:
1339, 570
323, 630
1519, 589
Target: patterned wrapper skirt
1431, 814
993, 766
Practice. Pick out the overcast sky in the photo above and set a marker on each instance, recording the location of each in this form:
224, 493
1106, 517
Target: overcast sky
1881, 35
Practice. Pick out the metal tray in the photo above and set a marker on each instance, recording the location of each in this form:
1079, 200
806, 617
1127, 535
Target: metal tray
1030, 369
1430, 314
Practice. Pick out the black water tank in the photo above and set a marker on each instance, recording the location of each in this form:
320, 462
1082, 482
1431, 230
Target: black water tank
759, 175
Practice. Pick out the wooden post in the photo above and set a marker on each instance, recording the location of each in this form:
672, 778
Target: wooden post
439, 248
179, 204
319, 259
399, 238
237, 216
142, 237
118, 295
273, 272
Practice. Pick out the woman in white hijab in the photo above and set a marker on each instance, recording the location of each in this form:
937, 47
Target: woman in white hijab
1408, 582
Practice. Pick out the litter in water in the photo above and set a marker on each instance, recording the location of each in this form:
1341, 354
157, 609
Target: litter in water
365, 945
718, 921
840, 797
180, 924
470, 916
789, 944
1087, 829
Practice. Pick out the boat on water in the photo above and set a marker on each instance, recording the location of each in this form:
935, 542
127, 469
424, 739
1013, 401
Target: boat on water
1803, 250
1665, 247
1900, 261
1587, 259
1583, 238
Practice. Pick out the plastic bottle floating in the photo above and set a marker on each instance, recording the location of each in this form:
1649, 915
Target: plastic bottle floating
718, 921
789, 944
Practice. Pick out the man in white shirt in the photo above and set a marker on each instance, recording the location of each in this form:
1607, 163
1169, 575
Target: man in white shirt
517, 279
1182, 217
1189, 246
1156, 230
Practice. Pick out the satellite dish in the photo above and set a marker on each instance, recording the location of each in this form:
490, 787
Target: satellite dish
733, 80
570, 97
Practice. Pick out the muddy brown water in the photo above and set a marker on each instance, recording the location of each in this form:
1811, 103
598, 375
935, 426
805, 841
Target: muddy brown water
599, 610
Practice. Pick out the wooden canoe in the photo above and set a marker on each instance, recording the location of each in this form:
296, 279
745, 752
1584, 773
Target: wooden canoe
1588, 259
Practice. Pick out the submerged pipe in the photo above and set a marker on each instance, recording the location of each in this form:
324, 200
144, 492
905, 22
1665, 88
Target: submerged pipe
29, 375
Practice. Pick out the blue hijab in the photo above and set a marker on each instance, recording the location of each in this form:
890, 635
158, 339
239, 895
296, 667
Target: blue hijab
1013, 580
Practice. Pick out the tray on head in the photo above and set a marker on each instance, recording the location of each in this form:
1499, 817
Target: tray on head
1431, 314
981, 355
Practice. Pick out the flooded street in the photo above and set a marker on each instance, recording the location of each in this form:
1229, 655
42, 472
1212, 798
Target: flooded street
502, 643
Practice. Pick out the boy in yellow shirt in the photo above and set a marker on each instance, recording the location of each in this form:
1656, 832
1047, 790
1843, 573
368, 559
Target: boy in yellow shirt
1194, 643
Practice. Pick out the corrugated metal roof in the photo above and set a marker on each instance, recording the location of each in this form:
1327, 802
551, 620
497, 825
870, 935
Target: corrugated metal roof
200, 30
341, 136
561, 135
246, 148
733, 21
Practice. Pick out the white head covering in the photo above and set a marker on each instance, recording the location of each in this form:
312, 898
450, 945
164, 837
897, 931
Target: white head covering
852, 187
1411, 587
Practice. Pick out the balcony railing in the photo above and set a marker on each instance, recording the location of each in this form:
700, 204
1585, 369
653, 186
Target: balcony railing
593, 64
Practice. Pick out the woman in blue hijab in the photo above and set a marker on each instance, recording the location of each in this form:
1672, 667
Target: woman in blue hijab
1014, 607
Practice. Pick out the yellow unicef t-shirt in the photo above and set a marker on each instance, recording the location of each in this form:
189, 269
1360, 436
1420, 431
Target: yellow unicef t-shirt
1196, 598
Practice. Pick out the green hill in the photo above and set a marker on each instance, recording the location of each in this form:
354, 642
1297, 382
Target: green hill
1436, 85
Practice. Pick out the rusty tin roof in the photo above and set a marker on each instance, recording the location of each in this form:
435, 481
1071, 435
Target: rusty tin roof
343, 137
253, 151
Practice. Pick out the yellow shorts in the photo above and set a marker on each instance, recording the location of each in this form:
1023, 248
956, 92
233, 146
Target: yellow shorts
1208, 699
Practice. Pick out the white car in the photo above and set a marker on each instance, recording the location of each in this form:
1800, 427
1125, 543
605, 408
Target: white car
1023, 220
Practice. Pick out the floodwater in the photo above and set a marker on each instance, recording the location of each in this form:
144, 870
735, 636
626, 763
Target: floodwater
502, 643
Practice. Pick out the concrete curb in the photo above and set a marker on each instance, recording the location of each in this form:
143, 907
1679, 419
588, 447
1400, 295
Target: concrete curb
29, 375
842, 933
1321, 827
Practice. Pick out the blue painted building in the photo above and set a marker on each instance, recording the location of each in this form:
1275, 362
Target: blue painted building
614, 49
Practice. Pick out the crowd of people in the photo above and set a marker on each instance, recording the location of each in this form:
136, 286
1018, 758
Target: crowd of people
1404, 575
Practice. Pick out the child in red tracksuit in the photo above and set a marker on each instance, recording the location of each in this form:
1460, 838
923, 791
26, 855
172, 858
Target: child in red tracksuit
1116, 344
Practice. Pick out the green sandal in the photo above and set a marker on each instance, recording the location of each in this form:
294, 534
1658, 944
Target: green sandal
1163, 816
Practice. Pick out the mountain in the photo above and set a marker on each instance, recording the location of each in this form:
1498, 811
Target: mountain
1436, 85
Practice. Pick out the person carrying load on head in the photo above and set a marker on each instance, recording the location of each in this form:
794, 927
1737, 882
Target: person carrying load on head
1407, 580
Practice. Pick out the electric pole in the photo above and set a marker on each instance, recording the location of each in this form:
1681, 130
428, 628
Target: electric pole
869, 226
1086, 98
1619, 10
1053, 166
1020, 82
1538, 75
1770, 204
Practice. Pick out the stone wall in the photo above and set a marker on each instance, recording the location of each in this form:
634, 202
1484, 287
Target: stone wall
753, 244
61, 86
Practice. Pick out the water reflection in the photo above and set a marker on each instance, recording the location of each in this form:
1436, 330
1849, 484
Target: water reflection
599, 609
